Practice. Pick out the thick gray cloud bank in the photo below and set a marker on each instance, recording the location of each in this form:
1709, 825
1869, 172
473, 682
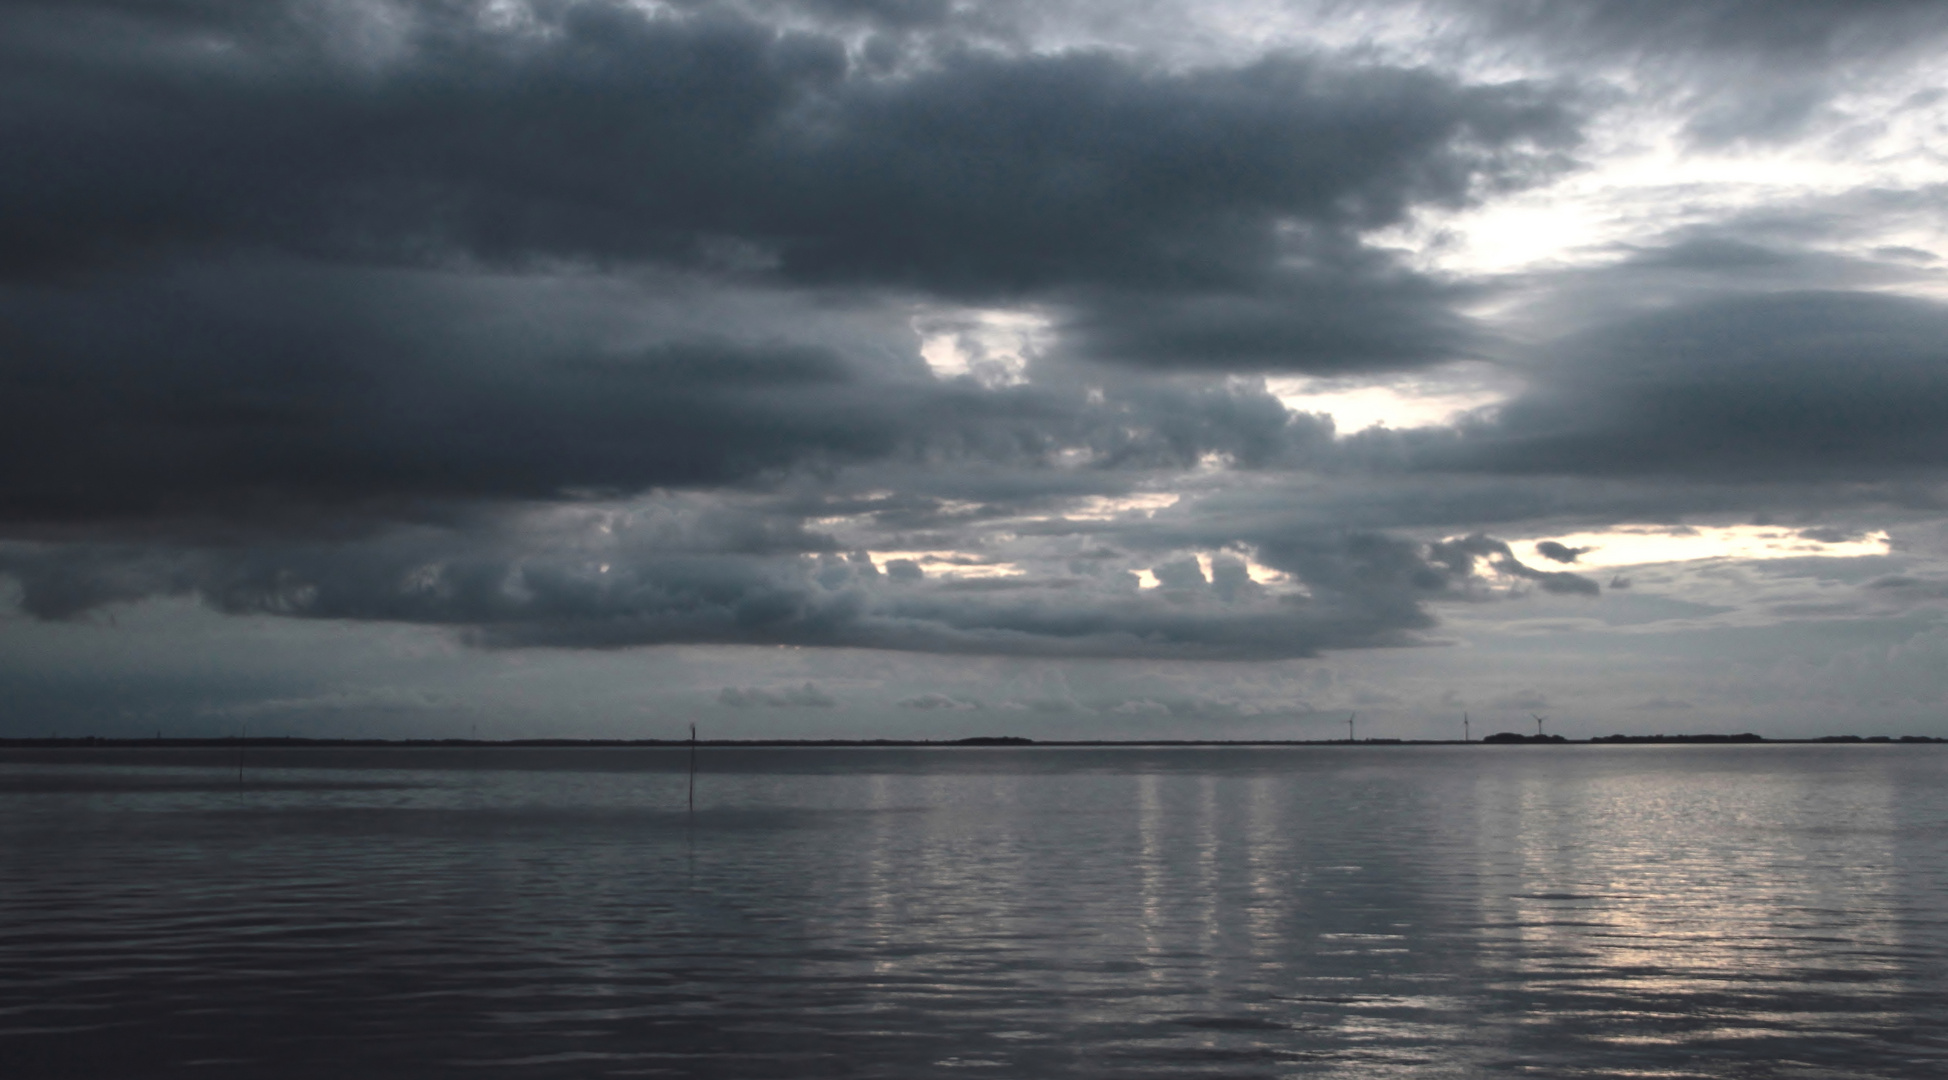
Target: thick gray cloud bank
1227, 202
583, 326
210, 212
645, 589
1792, 384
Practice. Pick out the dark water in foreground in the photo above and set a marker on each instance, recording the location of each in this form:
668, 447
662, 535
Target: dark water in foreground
1774, 911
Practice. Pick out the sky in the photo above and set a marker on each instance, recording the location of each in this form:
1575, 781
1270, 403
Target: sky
924, 369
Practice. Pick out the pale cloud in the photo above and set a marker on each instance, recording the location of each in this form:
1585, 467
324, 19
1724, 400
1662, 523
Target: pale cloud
806, 696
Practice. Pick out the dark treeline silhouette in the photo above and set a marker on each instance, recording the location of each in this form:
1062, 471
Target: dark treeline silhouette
1743, 737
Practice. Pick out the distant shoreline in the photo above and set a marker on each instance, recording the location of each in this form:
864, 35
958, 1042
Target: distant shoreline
977, 742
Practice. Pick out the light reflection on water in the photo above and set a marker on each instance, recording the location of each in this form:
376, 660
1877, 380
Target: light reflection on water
1339, 912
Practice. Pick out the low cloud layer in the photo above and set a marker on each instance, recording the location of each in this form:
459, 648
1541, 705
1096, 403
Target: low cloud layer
802, 697
1363, 592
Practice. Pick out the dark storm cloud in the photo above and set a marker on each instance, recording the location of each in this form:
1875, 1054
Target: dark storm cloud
995, 175
1458, 556
253, 391
1076, 178
1364, 593
238, 389
1358, 315
473, 569
1799, 385
210, 217
582, 579
1562, 553
1143, 424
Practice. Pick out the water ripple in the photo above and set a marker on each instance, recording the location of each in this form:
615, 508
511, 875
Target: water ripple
1718, 912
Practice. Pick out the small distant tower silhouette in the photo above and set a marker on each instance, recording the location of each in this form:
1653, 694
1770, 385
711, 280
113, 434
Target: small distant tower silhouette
1349, 727
1538, 724
1464, 728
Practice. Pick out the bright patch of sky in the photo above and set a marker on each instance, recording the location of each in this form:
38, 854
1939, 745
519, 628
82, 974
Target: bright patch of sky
950, 564
994, 345
1637, 545
1433, 398
1109, 508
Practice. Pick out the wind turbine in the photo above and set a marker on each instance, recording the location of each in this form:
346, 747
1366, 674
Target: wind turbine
1349, 727
1538, 724
1464, 728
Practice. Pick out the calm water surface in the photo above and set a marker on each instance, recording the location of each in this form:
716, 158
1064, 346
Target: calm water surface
1715, 911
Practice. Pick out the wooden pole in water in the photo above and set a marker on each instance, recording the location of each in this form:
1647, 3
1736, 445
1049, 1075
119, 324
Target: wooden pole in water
693, 768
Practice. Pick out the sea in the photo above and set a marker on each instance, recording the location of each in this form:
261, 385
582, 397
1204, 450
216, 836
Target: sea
959, 912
